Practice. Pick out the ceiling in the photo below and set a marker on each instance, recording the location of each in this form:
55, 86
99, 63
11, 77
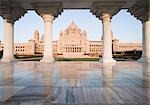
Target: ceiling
74, 4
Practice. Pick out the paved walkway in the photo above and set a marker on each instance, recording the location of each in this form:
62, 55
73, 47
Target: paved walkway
74, 83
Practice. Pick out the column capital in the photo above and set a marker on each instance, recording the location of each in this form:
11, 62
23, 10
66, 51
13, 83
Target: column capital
105, 17
109, 7
47, 17
52, 8
9, 20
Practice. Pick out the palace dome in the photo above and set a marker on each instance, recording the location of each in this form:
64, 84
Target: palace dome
73, 26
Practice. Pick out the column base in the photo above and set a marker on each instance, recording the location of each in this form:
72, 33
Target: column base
103, 60
46, 59
8, 59
144, 60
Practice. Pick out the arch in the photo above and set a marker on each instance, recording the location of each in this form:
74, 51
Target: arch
83, 18
128, 27
32, 21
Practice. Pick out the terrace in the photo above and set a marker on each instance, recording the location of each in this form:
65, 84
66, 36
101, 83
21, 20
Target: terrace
74, 83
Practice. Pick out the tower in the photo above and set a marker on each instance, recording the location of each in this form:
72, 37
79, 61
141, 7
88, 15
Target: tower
36, 36
36, 40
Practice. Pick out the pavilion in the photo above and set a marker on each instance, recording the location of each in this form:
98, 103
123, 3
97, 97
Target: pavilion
74, 83
13, 10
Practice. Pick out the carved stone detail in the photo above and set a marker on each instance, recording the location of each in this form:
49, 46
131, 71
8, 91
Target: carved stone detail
52, 8
11, 11
140, 10
109, 7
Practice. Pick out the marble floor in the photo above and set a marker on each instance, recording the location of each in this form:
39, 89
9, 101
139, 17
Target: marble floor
74, 83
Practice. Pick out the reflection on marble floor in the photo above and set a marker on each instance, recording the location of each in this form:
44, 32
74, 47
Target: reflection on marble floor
74, 83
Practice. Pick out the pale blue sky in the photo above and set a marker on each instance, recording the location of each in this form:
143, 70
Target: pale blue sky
124, 26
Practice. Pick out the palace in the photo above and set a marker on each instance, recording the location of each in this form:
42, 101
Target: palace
72, 42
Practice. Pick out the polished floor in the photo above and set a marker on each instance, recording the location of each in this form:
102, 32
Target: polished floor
74, 83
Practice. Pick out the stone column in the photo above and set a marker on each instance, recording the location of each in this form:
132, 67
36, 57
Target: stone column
48, 45
146, 42
142, 59
107, 39
8, 51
